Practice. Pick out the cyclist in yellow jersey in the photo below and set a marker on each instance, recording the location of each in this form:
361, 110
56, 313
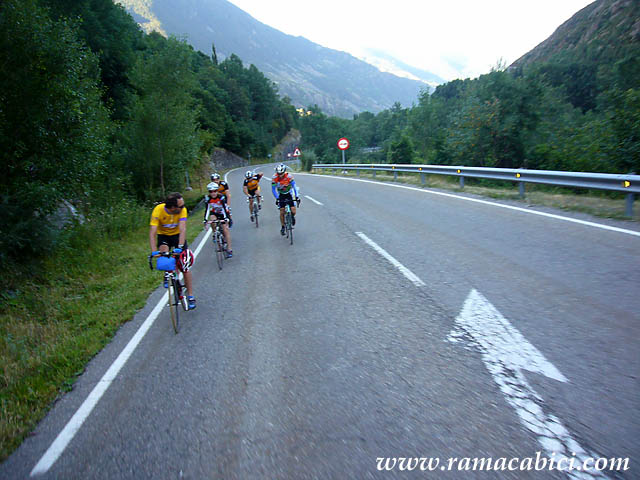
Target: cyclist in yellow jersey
168, 228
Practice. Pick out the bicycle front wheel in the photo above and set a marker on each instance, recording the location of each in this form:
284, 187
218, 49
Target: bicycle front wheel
255, 212
174, 301
289, 227
219, 250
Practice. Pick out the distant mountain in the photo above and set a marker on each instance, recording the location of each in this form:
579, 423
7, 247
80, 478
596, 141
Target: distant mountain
390, 64
601, 32
306, 72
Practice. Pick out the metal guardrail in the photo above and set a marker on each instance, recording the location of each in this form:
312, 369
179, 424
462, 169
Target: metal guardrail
629, 184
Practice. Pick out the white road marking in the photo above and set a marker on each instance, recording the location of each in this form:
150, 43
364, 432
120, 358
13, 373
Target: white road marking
493, 204
71, 428
314, 200
405, 271
506, 353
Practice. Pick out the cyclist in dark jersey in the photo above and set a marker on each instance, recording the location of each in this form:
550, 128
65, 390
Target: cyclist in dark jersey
251, 187
217, 207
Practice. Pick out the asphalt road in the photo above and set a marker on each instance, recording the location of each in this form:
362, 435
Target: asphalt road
317, 359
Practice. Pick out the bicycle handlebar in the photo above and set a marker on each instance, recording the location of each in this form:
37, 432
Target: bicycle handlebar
161, 254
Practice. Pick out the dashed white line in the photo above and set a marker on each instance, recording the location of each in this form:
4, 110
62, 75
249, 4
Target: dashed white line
405, 271
314, 200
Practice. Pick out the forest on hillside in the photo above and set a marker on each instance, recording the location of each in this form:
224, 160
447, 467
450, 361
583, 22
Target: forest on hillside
97, 114
573, 103
551, 116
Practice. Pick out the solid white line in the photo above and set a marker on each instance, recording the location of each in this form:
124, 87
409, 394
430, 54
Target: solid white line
493, 204
405, 271
68, 432
72, 427
314, 200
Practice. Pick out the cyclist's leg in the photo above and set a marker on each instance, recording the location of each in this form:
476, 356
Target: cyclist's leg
188, 281
293, 213
163, 242
227, 235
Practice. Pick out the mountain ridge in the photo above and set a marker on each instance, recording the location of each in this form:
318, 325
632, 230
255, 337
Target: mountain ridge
308, 73
596, 32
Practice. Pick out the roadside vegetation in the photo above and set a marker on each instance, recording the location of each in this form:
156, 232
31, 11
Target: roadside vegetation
62, 310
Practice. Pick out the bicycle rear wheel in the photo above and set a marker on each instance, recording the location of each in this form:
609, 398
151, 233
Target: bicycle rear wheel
174, 301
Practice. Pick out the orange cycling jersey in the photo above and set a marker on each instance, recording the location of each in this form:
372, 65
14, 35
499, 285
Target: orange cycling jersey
253, 183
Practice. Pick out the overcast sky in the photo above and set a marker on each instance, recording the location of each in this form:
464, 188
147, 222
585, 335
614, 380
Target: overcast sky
451, 38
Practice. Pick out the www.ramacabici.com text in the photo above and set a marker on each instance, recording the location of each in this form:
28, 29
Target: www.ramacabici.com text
538, 463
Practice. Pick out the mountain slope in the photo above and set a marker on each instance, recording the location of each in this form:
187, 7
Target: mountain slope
304, 71
603, 30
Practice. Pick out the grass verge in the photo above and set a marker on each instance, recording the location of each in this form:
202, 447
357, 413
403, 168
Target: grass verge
62, 311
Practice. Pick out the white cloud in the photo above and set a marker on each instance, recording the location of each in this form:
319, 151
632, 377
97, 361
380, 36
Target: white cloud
454, 38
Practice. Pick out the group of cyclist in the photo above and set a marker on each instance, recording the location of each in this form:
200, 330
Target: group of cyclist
168, 225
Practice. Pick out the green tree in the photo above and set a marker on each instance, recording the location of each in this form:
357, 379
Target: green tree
401, 150
113, 36
161, 139
53, 127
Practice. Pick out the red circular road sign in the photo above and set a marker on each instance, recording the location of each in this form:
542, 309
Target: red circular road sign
343, 144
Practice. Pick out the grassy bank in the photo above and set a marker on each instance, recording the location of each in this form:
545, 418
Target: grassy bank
597, 203
62, 310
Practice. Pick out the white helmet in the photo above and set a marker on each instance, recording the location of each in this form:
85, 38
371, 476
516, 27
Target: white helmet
248, 174
215, 177
212, 186
280, 169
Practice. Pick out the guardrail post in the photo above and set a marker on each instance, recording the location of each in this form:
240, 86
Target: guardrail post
423, 180
629, 207
395, 176
521, 189
358, 173
374, 174
461, 182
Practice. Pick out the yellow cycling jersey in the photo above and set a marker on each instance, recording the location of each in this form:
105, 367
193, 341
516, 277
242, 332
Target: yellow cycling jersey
167, 223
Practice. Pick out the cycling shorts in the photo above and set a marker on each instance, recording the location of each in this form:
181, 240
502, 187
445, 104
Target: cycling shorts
285, 199
170, 241
219, 216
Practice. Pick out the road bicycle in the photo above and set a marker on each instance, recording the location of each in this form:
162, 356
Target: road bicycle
173, 281
220, 244
254, 207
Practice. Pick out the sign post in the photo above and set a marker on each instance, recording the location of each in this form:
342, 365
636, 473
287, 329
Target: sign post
343, 144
